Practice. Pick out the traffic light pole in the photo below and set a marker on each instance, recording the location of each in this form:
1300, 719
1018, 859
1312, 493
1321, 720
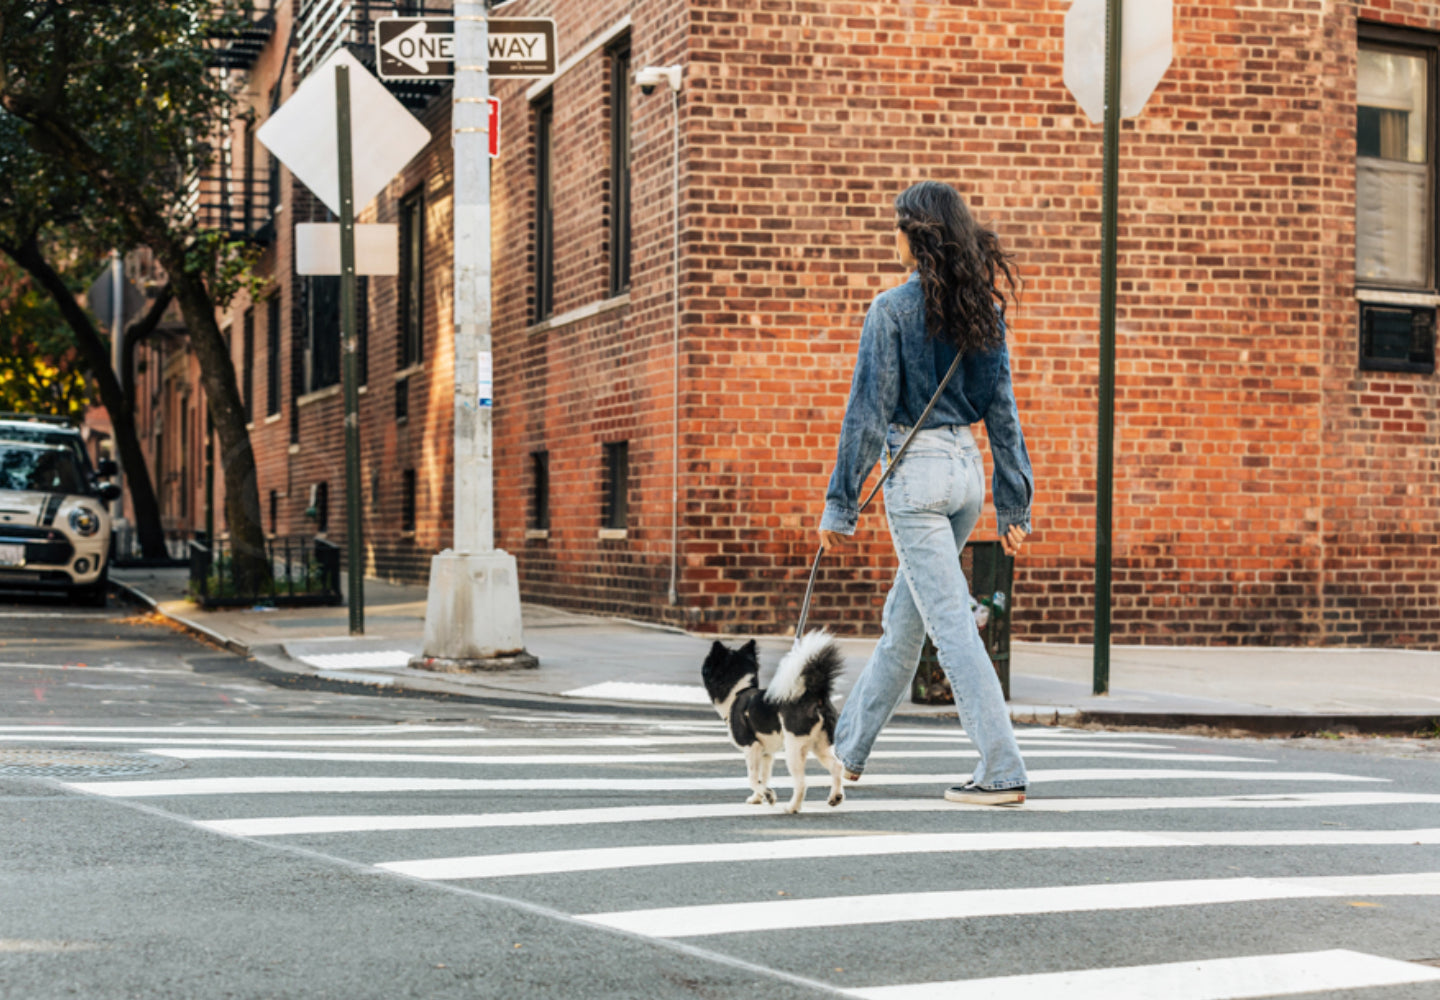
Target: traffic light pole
472, 615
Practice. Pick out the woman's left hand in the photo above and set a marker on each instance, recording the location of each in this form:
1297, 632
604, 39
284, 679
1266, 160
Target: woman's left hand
1012, 540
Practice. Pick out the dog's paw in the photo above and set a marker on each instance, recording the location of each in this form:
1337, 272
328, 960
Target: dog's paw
794, 807
755, 799
837, 798
769, 796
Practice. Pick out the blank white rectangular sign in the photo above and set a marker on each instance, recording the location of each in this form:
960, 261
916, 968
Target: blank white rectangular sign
317, 248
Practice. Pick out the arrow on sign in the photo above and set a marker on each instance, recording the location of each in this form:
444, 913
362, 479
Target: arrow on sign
416, 47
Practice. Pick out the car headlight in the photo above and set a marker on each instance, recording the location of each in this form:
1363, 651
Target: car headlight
84, 521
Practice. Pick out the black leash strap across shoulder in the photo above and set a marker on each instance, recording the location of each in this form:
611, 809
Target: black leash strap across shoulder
889, 467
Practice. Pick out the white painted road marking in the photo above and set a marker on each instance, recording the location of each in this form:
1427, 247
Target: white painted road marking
226, 753
647, 855
281, 826
1205, 979
268, 785
904, 907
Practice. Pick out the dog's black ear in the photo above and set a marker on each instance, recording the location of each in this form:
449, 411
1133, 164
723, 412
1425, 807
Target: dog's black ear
749, 647
718, 655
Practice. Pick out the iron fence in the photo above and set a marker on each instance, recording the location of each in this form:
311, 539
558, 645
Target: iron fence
303, 571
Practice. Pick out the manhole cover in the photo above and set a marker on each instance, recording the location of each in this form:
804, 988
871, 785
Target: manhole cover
79, 763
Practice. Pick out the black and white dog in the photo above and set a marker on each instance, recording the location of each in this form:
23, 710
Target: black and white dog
794, 712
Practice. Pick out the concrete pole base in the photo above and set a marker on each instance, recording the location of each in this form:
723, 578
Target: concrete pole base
472, 614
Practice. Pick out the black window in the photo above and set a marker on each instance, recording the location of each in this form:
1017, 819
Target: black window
407, 500
322, 354
272, 355
620, 167
412, 279
1397, 338
274, 512
322, 507
617, 476
247, 364
544, 210
540, 510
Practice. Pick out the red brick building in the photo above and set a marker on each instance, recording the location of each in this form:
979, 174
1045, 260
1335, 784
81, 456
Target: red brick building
1277, 430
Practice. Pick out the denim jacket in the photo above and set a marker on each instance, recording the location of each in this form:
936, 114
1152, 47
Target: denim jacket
896, 373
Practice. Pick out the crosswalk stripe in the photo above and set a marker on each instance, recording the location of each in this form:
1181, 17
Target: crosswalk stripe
158, 732
44, 735
279, 826
269, 784
845, 911
647, 855
230, 753
1204, 979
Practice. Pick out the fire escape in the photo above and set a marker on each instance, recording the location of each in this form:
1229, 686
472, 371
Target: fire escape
325, 25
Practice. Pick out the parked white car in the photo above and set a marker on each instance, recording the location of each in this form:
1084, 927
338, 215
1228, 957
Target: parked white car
54, 526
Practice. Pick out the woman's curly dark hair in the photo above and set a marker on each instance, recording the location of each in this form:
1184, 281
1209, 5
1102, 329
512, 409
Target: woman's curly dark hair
958, 262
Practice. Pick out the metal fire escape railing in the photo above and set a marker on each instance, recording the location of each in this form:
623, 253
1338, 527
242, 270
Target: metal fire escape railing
325, 25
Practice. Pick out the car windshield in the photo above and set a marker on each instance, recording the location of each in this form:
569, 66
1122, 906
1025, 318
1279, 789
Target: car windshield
39, 434
44, 470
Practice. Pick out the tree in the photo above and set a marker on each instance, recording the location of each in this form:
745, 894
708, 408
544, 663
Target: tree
36, 370
34, 204
121, 97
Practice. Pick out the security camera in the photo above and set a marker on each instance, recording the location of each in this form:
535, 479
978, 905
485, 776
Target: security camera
657, 76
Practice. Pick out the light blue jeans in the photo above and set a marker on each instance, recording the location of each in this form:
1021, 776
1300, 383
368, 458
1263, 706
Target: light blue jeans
933, 501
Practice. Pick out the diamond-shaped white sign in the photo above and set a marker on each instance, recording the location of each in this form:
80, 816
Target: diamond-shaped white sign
384, 136
1146, 48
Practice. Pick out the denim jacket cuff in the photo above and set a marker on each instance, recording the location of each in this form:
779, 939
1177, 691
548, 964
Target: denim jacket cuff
839, 519
1007, 516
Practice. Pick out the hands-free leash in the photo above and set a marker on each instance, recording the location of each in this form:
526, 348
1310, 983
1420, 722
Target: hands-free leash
889, 467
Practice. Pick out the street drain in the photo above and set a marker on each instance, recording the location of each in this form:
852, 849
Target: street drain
16, 763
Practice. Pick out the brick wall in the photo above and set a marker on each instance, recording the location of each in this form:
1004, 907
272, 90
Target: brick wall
1266, 490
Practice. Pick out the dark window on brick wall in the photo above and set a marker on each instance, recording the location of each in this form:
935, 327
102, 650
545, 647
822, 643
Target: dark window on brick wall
1397, 338
1395, 154
322, 325
544, 210
620, 167
402, 400
247, 363
412, 279
272, 355
407, 500
617, 481
540, 506
274, 512
322, 507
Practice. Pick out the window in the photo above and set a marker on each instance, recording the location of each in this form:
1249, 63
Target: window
274, 512
272, 355
412, 279
540, 511
617, 475
322, 329
407, 500
1395, 161
620, 167
1397, 338
544, 211
247, 364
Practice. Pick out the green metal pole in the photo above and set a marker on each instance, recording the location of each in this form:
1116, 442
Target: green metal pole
1105, 471
350, 355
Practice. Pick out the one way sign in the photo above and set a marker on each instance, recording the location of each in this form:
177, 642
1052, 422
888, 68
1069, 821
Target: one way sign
423, 48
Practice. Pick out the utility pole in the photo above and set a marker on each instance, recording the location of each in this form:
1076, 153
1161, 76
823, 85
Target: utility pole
472, 616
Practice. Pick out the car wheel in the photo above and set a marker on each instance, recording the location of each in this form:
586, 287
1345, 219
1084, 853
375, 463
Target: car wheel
94, 595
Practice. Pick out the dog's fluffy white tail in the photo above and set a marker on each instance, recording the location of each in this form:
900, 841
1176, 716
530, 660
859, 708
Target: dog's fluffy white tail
809, 668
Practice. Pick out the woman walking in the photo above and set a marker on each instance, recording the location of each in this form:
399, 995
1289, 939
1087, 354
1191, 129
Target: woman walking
950, 304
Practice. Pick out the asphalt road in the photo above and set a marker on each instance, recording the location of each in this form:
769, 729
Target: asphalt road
173, 825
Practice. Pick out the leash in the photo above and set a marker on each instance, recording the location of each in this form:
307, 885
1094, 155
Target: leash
889, 468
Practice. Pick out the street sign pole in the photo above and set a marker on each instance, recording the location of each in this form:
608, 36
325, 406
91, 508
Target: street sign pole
472, 614
350, 355
1105, 472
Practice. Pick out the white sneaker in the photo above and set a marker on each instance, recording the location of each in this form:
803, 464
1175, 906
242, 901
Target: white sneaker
975, 795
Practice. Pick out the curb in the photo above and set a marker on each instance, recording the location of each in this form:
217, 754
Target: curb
137, 596
1278, 724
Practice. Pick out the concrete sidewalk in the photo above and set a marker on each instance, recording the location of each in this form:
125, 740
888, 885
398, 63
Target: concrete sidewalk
613, 661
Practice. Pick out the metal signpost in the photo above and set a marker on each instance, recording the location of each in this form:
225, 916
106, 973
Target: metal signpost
312, 134
1137, 50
